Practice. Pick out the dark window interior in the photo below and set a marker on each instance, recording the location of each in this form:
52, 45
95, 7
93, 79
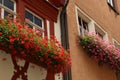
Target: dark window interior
38, 21
30, 26
79, 19
33, 18
85, 25
9, 4
6, 13
29, 16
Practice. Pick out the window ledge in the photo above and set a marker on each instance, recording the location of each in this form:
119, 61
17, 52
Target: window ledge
113, 8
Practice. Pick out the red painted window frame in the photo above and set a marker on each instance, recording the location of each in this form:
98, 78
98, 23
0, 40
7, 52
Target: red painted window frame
41, 8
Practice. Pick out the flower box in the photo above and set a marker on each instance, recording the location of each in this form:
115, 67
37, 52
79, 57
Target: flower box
23, 42
101, 51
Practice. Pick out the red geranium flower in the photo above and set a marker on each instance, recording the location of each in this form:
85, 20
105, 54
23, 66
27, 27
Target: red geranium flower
0, 33
26, 43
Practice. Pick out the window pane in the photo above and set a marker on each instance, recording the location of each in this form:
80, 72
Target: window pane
30, 26
9, 4
38, 21
81, 31
79, 19
85, 25
108, 0
29, 16
99, 34
111, 2
7, 13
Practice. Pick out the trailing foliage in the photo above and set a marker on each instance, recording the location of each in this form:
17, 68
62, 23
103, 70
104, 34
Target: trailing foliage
101, 51
24, 42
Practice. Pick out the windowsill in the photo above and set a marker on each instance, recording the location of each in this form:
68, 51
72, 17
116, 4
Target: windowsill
113, 9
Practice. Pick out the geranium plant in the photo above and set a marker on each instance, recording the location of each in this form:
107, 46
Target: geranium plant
101, 51
25, 43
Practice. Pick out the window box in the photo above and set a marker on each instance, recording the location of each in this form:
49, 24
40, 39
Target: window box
23, 42
101, 51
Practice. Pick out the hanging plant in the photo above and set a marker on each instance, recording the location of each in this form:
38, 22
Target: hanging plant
101, 51
23, 42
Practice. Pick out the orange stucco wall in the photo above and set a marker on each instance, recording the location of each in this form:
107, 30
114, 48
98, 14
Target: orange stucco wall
83, 67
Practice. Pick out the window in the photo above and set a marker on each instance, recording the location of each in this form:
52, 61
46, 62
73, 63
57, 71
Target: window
113, 5
116, 43
100, 32
83, 26
83, 21
87, 24
33, 21
111, 2
7, 7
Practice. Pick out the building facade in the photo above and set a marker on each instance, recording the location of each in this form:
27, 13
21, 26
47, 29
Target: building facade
40, 15
97, 16
66, 22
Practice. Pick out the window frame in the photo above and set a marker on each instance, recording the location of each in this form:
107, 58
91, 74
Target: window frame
82, 29
113, 5
116, 43
85, 19
91, 23
35, 26
101, 31
4, 8
111, 2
